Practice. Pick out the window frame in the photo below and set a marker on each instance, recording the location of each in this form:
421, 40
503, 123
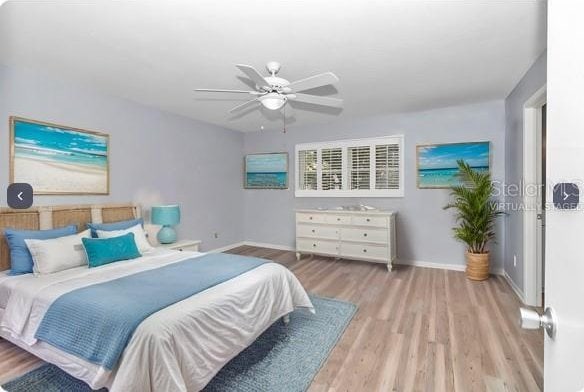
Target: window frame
345, 145
301, 174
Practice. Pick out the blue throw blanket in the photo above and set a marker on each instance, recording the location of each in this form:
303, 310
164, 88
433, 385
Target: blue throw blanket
96, 322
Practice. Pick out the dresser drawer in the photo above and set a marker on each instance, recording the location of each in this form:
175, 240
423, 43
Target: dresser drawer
374, 221
338, 219
325, 232
377, 252
304, 217
317, 246
366, 235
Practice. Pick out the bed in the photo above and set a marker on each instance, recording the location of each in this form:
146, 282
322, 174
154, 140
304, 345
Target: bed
180, 347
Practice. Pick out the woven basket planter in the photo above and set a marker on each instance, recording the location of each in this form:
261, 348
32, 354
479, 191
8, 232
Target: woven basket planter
477, 266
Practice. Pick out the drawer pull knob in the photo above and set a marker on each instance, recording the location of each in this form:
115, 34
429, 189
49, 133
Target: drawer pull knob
368, 220
310, 218
364, 234
313, 231
314, 245
364, 250
338, 219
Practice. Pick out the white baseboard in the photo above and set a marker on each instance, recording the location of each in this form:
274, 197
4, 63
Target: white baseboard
427, 264
498, 271
227, 247
271, 246
451, 267
415, 263
251, 243
518, 292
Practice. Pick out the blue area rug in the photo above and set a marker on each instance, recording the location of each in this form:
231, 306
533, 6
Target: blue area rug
285, 358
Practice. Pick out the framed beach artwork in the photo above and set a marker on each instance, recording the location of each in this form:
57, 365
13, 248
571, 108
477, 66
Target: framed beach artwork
57, 159
437, 167
266, 171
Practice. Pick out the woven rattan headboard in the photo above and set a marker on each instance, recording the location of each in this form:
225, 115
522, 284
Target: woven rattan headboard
49, 217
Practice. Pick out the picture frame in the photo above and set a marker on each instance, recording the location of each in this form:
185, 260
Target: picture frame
58, 159
266, 171
436, 166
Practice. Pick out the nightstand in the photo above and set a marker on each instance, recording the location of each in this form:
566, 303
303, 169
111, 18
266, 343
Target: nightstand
190, 245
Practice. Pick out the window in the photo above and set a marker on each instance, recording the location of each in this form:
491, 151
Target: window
332, 168
359, 167
350, 168
307, 169
387, 166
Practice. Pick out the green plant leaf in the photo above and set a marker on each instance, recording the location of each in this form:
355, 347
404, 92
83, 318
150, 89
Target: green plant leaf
476, 212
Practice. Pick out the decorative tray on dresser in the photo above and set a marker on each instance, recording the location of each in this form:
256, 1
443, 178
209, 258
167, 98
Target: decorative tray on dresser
361, 235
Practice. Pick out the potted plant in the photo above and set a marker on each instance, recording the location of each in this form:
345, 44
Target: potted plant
475, 216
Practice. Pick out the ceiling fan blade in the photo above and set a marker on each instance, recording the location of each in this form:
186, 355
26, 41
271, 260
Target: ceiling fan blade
243, 105
316, 100
216, 90
254, 75
314, 81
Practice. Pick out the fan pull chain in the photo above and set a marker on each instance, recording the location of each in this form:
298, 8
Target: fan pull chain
284, 120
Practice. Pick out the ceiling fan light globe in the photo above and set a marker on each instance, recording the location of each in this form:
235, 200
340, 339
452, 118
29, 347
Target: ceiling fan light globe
273, 67
273, 101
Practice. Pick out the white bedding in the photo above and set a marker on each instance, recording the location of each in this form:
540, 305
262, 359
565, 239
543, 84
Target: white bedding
179, 348
4, 292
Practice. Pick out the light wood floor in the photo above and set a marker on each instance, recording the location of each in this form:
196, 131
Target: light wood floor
417, 329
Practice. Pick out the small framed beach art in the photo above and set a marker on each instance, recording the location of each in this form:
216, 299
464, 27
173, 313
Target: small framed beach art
437, 167
57, 159
266, 171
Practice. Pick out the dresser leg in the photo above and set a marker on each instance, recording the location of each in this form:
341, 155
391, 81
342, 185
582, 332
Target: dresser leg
298, 256
389, 267
286, 319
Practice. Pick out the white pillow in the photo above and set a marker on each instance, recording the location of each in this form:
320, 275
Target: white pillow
139, 236
58, 254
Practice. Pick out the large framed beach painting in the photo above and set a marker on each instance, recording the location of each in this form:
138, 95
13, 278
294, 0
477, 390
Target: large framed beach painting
437, 167
57, 159
266, 171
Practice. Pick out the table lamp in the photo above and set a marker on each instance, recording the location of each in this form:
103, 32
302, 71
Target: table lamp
167, 216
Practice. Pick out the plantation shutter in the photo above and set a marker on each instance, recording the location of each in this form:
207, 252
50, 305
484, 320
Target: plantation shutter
370, 167
307, 169
332, 168
359, 167
387, 161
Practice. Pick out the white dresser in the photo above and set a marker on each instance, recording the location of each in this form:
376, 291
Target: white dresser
360, 235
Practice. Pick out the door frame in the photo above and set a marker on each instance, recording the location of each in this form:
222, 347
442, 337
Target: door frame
532, 258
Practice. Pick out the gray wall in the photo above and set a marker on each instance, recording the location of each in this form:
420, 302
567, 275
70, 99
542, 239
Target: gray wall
533, 80
423, 228
155, 156
206, 181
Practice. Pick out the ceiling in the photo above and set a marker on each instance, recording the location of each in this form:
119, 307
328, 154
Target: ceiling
390, 56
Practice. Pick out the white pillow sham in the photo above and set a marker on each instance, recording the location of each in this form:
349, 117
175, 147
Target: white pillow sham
58, 254
139, 236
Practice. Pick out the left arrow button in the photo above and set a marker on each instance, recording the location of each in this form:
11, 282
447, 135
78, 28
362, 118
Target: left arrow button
19, 195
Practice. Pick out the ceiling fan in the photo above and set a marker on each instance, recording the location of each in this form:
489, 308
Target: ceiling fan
273, 92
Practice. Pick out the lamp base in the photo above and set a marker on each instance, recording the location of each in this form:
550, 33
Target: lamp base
166, 235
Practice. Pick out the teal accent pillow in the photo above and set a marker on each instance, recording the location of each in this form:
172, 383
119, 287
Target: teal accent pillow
20, 257
101, 251
121, 225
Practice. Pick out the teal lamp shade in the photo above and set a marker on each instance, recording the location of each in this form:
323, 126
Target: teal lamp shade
167, 216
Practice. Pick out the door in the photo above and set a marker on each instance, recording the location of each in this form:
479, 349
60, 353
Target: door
541, 205
564, 254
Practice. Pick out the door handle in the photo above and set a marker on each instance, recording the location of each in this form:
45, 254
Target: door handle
530, 319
